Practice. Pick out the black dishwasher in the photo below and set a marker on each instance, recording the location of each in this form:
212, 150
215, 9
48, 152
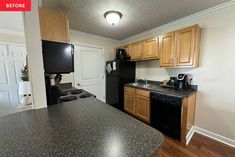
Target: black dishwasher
166, 114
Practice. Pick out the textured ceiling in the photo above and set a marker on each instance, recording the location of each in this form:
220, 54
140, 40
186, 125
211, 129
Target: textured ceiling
138, 15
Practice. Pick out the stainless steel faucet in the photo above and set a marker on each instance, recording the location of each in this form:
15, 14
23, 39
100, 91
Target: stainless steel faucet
146, 81
137, 80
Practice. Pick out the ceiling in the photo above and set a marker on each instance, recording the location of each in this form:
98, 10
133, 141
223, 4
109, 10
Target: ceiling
138, 15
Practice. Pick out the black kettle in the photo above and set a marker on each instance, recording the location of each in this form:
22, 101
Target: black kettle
121, 54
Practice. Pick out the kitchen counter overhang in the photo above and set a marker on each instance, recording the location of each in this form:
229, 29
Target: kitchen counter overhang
85, 127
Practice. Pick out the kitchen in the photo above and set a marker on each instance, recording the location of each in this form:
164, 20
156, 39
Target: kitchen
203, 77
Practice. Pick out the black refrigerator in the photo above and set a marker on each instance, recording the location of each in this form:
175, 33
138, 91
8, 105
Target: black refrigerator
118, 73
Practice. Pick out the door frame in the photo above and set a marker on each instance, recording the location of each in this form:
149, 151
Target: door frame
103, 65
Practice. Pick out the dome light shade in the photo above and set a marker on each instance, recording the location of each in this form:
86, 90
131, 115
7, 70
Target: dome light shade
113, 17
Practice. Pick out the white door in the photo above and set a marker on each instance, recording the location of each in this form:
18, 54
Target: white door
89, 70
12, 60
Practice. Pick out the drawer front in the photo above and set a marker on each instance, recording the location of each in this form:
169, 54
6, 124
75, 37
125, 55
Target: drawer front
129, 89
141, 92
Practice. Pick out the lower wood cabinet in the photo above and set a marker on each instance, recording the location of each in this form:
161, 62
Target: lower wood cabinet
143, 108
129, 101
137, 103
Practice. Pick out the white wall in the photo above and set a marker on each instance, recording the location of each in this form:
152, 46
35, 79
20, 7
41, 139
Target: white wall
215, 110
11, 27
94, 40
11, 38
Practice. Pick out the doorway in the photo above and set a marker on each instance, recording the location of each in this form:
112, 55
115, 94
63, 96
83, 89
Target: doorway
89, 70
12, 61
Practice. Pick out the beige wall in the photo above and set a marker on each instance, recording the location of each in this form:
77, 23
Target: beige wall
89, 39
106, 43
215, 110
9, 38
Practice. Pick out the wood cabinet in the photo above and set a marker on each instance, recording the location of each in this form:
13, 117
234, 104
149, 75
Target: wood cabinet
53, 25
143, 108
129, 100
151, 48
180, 48
143, 50
137, 103
136, 50
187, 46
167, 47
188, 117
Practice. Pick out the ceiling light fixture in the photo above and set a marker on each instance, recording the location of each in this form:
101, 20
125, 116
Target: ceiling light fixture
113, 17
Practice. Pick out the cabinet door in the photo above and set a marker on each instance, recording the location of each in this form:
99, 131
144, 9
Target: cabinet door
167, 48
129, 102
151, 48
136, 51
185, 46
53, 25
143, 108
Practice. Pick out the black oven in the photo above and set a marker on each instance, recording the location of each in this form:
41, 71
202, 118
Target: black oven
166, 114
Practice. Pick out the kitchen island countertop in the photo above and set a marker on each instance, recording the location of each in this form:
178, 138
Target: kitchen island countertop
83, 128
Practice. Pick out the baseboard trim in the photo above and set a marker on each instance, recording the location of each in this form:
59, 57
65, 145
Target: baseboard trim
190, 135
214, 136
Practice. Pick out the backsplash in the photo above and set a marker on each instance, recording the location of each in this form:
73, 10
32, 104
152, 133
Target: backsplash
151, 70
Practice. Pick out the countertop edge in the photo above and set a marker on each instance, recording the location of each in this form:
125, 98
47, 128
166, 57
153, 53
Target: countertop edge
152, 90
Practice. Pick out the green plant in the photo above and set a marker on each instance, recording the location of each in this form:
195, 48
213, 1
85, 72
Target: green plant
24, 74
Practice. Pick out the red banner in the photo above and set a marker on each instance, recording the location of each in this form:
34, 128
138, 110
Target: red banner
15, 5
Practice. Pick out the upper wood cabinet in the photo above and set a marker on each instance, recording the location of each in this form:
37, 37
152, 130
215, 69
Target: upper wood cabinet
167, 46
187, 46
136, 50
180, 48
53, 25
143, 50
151, 48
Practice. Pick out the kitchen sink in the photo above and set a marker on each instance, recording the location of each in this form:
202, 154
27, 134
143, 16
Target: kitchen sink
141, 85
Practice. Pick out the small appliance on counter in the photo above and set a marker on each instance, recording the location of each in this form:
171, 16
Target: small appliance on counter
121, 55
170, 83
182, 82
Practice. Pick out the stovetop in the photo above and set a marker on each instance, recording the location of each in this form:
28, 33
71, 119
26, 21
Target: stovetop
74, 94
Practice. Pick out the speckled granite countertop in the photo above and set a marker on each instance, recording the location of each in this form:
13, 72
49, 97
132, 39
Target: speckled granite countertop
167, 91
81, 128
